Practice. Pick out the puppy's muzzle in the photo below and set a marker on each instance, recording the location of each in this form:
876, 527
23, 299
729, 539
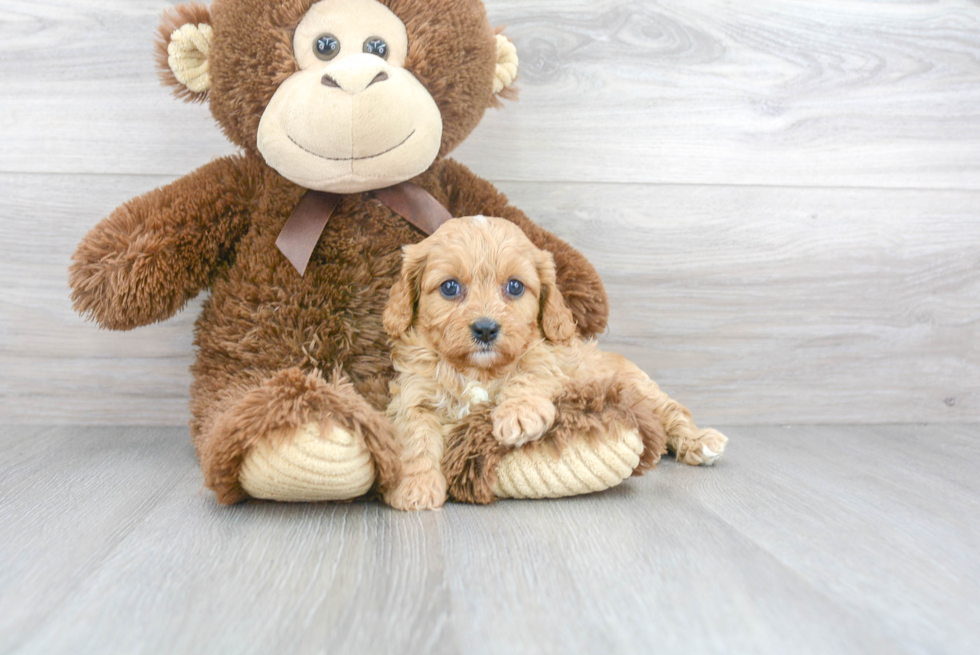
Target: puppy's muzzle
485, 330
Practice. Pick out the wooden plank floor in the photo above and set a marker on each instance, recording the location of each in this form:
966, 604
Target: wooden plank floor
803, 540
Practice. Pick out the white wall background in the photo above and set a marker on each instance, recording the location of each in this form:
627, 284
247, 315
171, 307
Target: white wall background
783, 197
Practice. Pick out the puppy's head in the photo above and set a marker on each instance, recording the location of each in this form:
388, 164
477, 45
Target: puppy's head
480, 293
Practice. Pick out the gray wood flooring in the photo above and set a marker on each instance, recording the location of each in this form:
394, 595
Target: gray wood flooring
803, 540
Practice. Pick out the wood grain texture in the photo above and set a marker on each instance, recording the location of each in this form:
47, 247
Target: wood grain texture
68, 499
797, 93
802, 540
916, 483
805, 299
749, 304
835, 93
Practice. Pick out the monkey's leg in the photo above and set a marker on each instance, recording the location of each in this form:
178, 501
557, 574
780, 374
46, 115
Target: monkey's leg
584, 463
596, 443
294, 436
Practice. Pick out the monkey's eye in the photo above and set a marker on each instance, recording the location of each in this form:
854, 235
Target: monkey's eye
376, 46
326, 47
450, 289
515, 288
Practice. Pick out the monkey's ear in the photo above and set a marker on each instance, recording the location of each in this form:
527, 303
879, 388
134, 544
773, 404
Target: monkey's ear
400, 310
557, 321
183, 45
506, 71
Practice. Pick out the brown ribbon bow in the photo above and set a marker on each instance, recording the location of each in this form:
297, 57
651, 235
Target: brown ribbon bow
302, 231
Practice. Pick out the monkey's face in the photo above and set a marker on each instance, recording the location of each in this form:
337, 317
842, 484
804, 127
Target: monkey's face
352, 118
339, 95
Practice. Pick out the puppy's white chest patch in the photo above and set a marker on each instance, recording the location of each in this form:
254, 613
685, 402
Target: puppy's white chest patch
476, 394
459, 404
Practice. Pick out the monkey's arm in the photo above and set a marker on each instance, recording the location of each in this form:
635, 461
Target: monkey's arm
578, 281
144, 261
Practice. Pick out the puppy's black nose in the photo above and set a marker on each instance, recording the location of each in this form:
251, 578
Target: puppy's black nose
485, 330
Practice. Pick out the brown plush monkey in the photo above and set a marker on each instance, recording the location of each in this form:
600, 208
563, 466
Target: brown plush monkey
343, 97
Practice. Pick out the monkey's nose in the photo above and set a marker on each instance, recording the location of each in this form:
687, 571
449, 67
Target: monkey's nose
328, 81
485, 330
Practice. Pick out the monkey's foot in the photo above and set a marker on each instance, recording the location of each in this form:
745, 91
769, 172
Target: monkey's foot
310, 463
583, 466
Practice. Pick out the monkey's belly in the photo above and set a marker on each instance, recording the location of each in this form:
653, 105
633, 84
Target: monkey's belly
328, 319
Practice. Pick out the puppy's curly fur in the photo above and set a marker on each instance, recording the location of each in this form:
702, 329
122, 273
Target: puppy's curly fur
524, 359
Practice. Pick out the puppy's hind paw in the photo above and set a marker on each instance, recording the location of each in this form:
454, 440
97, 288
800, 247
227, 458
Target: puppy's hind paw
703, 450
710, 456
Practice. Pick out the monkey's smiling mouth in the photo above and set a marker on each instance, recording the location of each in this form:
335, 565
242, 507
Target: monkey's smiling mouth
305, 149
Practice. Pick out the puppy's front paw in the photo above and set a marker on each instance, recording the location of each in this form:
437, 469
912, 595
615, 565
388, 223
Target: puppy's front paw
419, 491
516, 422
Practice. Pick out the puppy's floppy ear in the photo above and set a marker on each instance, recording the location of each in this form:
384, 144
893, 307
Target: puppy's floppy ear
183, 45
556, 318
400, 310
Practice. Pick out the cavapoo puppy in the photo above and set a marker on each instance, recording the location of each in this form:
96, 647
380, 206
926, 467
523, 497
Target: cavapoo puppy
476, 317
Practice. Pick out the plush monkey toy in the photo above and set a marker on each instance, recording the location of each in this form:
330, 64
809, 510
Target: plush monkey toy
344, 111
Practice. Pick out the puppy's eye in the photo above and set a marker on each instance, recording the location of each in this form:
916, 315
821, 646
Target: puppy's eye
515, 288
326, 47
450, 289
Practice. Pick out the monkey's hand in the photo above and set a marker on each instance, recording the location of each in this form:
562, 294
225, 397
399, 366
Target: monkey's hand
144, 261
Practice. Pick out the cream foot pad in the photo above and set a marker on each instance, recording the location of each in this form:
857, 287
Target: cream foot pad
308, 467
585, 466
